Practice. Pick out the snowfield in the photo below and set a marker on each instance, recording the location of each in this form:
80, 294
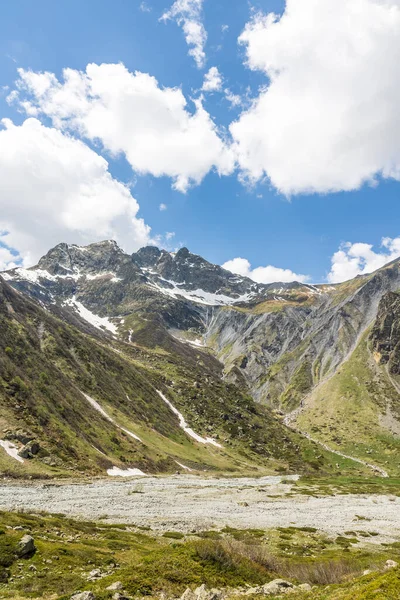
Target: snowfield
95, 320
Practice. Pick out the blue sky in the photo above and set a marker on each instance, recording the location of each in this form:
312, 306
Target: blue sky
274, 220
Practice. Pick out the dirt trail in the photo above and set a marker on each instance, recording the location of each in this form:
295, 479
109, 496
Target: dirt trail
188, 503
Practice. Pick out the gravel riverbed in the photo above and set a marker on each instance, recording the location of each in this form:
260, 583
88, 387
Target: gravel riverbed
187, 503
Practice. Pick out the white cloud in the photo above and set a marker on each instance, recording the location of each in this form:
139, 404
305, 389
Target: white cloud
169, 235
163, 206
212, 80
7, 259
129, 113
224, 28
234, 99
328, 118
188, 15
269, 274
144, 7
54, 188
359, 259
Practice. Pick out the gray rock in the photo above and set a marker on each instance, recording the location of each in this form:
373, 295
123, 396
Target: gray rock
26, 547
29, 450
202, 593
391, 564
278, 586
83, 596
253, 591
188, 595
95, 575
117, 585
305, 587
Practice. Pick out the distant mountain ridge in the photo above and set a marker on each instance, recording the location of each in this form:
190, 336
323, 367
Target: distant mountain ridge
277, 342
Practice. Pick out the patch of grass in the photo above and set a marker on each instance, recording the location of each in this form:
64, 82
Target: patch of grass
148, 565
174, 535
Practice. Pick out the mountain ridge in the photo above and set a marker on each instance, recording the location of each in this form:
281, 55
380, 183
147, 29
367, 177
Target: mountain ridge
274, 342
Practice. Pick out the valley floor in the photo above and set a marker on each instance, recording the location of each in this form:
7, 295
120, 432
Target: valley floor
186, 503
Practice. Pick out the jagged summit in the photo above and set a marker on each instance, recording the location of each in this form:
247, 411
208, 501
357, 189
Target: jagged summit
70, 258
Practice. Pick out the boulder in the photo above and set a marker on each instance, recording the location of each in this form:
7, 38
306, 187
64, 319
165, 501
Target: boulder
29, 450
202, 593
83, 596
188, 595
305, 587
390, 564
277, 586
253, 591
95, 575
26, 547
115, 586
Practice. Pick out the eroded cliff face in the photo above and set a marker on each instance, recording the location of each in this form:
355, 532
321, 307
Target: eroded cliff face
385, 335
286, 351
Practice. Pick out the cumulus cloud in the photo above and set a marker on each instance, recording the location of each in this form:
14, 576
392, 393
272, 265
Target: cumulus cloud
163, 206
269, 274
54, 188
212, 80
7, 259
131, 114
328, 118
360, 259
188, 15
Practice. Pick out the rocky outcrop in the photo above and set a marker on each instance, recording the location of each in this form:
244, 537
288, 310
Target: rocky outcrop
385, 335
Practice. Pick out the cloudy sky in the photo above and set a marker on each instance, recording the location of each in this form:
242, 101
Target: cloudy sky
262, 134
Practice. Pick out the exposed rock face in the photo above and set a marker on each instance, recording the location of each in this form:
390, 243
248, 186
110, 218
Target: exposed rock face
385, 335
194, 272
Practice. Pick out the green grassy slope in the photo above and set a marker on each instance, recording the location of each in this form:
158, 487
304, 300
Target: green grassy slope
45, 365
349, 411
148, 565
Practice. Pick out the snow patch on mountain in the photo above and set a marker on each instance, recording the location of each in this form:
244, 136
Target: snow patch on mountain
87, 315
11, 450
116, 472
101, 410
184, 425
200, 296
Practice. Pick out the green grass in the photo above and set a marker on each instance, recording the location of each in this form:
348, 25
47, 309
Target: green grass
68, 550
345, 412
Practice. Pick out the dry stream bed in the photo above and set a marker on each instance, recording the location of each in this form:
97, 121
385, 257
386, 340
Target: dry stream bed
187, 503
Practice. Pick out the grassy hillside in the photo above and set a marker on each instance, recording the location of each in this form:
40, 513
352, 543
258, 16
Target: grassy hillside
355, 410
46, 367
147, 564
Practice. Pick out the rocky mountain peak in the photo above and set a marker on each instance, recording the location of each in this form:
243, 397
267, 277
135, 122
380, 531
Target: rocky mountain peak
66, 259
